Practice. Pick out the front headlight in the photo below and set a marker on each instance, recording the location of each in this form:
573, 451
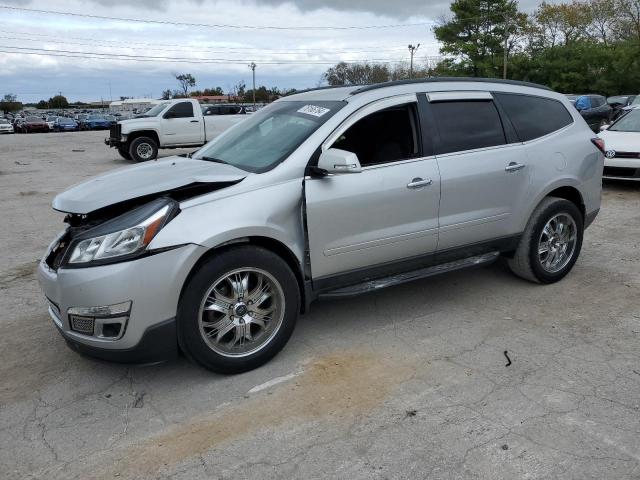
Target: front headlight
123, 237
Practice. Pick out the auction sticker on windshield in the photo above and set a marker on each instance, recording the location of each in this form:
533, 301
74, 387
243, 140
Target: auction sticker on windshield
313, 110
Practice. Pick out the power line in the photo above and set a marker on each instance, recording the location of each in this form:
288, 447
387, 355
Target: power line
214, 25
142, 58
363, 49
187, 49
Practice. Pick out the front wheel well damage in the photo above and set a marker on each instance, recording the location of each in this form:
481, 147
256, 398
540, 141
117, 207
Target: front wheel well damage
267, 243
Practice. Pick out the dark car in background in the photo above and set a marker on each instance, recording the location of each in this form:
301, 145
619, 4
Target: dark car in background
225, 109
594, 109
620, 104
30, 124
65, 124
95, 122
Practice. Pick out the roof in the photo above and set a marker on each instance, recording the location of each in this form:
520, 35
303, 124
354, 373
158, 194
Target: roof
343, 93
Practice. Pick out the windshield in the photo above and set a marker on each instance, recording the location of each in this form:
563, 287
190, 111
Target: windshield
629, 123
266, 138
95, 118
153, 112
65, 120
2, 120
34, 119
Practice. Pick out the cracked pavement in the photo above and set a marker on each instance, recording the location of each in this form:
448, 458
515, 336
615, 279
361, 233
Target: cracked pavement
409, 382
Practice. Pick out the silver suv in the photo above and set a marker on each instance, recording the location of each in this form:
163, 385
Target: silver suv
327, 193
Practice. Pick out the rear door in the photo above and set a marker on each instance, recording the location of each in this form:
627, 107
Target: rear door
180, 125
385, 213
483, 169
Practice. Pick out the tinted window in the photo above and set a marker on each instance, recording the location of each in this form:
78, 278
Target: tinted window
467, 125
382, 137
182, 110
533, 117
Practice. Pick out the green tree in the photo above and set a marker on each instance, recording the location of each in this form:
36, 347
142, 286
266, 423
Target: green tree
59, 101
186, 81
476, 33
10, 103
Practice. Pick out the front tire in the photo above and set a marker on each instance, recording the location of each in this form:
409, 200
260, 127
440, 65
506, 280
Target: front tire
551, 242
124, 153
143, 149
238, 310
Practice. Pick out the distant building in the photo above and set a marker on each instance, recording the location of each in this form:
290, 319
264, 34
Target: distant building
133, 105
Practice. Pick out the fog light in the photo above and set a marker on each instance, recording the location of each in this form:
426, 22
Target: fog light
107, 322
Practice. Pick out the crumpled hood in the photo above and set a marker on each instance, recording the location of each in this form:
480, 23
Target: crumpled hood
142, 180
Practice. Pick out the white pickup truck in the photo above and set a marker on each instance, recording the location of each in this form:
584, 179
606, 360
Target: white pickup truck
171, 124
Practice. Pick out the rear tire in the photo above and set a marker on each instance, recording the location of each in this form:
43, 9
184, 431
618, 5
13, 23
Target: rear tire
143, 149
551, 242
238, 310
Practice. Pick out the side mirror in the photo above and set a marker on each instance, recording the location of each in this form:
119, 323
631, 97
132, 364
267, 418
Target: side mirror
335, 160
604, 127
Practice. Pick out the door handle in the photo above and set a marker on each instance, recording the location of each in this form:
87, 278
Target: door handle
419, 183
194, 121
513, 167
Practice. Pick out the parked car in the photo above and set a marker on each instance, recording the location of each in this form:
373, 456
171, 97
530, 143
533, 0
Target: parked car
326, 193
65, 124
50, 122
223, 109
170, 124
95, 122
30, 124
5, 126
622, 147
619, 103
594, 109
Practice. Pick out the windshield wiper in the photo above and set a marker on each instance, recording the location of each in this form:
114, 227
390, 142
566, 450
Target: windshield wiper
215, 160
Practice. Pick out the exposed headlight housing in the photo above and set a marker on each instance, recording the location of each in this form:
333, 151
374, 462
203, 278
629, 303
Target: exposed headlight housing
123, 237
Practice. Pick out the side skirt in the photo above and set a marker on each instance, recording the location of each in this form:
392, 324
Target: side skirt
402, 271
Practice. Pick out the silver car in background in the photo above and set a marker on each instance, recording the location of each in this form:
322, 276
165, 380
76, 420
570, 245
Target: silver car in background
327, 193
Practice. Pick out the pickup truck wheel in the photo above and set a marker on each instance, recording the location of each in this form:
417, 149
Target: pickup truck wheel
124, 152
238, 310
551, 242
142, 149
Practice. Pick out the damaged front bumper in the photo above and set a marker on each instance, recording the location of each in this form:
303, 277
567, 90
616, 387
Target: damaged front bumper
115, 138
122, 312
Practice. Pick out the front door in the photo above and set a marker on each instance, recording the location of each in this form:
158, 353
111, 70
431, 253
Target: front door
385, 213
181, 127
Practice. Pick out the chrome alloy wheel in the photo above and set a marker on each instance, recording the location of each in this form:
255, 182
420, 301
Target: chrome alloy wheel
144, 151
557, 243
241, 312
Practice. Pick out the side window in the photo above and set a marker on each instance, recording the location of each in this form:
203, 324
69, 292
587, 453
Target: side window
182, 110
533, 117
467, 125
385, 136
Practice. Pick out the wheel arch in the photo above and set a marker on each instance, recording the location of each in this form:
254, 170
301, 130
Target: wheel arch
144, 133
268, 243
571, 194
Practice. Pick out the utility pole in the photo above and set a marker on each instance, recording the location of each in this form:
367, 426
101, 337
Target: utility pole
505, 46
252, 66
412, 50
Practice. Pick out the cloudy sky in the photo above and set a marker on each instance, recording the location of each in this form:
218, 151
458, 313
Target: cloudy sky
291, 41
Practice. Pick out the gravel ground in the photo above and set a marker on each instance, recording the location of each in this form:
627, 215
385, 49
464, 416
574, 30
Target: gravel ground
409, 382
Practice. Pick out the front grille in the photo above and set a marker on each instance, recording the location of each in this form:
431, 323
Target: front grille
82, 324
115, 131
621, 172
627, 155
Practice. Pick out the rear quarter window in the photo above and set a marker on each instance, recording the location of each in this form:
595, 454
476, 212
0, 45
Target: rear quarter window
533, 117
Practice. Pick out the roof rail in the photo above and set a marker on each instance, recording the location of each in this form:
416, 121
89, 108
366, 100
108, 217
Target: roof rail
326, 87
376, 86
